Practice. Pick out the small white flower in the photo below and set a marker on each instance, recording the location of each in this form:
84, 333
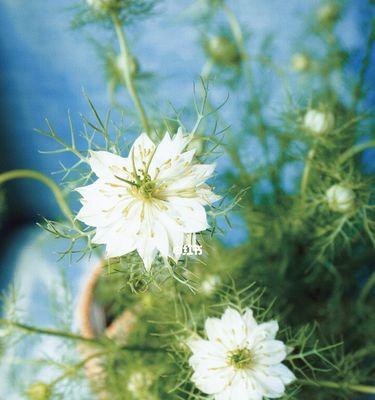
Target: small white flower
319, 122
340, 198
148, 201
241, 359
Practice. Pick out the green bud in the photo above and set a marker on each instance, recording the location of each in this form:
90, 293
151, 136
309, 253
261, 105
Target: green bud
300, 62
133, 65
223, 51
319, 122
196, 143
139, 384
39, 391
329, 13
340, 199
102, 5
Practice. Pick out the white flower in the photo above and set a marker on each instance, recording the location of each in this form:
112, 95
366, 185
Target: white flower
319, 122
340, 198
240, 360
148, 201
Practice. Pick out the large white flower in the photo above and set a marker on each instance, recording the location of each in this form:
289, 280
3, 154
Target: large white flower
148, 201
240, 360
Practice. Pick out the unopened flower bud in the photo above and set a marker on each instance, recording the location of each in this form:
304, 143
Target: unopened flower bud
38, 391
210, 284
196, 143
329, 13
139, 383
101, 5
340, 198
319, 122
223, 51
300, 62
133, 65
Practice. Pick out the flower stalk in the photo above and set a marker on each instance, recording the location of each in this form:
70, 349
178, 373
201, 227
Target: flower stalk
334, 385
306, 173
125, 53
28, 173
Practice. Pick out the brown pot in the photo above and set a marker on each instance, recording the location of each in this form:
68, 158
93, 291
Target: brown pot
91, 319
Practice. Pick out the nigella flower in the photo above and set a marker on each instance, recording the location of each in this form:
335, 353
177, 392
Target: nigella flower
240, 359
148, 201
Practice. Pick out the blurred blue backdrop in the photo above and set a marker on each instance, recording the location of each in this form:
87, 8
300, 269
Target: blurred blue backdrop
45, 65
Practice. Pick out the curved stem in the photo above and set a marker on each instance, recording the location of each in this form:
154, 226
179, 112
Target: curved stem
46, 331
28, 173
367, 287
356, 149
67, 335
125, 52
306, 172
236, 30
343, 385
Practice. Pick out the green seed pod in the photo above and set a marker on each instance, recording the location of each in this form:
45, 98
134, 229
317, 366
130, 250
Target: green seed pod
39, 391
223, 51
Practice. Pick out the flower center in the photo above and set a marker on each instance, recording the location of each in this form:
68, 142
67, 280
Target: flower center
146, 187
241, 358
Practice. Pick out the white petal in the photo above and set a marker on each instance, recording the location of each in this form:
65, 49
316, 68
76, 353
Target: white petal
141, 152
283, 372
105, 165
272, 386
234, 328
206, 195
191, 214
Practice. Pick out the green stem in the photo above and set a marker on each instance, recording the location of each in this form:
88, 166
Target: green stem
367, 288
306, 172
67, 335
74, 368
125, 52
356, 149
343, 386
236, 30
28, 173
46, 331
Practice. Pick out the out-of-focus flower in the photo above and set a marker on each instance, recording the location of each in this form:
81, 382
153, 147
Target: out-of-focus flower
340, 198
319, 122
300, 62
240, 359
148, 201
